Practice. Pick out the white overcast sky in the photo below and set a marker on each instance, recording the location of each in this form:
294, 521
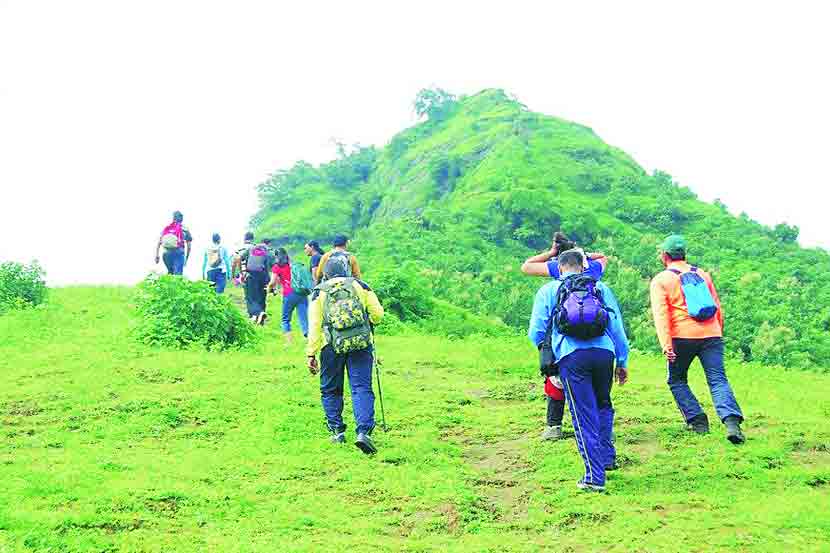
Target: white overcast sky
113, 113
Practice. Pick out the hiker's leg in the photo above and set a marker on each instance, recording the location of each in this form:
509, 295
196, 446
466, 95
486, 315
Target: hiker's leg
167, 257
260, 279
250, 295
221, 280
360, 380
603, 379
331, 388
288, 303
178, 261
686, 350
556, 411
575, 369
302, 314
711, 357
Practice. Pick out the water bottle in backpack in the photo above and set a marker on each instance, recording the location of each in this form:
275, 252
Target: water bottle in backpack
580, 311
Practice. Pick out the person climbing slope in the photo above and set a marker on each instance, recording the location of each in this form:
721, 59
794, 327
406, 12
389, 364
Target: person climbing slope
216, 265
255, 262
294, 280
176, 240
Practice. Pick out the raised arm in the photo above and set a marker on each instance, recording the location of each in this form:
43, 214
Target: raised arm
599, 258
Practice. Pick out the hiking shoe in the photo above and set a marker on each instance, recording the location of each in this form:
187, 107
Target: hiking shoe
585, 487
553, 433
339, 438
733, 430
260, 320
365, 444
699, 424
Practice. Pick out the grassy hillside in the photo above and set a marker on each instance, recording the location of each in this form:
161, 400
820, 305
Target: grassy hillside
483, 182
112, 446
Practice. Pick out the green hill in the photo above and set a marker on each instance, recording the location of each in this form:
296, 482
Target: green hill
463, 197
109, 445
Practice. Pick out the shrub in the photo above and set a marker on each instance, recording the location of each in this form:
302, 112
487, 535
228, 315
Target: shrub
404, 292
177, 313
21, 285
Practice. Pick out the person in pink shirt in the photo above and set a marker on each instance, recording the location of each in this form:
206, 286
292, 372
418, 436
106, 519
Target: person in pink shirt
281, 276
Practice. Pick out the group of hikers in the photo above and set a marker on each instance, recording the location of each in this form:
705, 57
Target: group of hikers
576, 324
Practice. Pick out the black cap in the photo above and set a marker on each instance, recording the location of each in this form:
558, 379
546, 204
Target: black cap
340, 240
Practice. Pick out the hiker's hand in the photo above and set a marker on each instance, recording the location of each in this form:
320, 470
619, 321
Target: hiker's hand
379, 361
312, 364
622, 375
157, 260
671, 356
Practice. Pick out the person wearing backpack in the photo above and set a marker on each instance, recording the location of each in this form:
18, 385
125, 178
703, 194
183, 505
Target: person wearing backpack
582, 319
341, 318
255, 262
315, 252
688, 318
216, 265
294, 280
176, 240
339, 250
546, 263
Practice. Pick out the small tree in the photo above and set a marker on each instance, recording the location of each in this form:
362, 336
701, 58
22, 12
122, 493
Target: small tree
435, 104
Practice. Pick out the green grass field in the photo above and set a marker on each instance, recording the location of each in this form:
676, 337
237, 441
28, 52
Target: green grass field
111, 446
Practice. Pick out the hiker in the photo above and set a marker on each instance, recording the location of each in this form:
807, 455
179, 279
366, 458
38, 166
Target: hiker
689, 320
342, 313
339, 250
315, 252
216, 265
176, 240
254, 261
295, 281
585, 326
546, 264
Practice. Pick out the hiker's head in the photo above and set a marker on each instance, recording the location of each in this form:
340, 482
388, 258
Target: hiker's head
340, 241
282, 257
561, 242
216, 238
673, 248
336, 266
178, 217
249, 236
312, 247
570, 261
267, 241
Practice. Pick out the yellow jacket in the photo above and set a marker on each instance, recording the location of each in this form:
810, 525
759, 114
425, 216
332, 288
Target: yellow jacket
316, 337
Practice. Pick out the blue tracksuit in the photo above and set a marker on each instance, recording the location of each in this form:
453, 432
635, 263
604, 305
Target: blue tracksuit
586, 368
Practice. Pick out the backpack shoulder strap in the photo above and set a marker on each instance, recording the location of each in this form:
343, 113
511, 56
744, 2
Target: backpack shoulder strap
675, 271
693, 269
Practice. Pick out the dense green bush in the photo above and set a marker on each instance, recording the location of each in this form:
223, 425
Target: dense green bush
403, 291
175, 312
21, 285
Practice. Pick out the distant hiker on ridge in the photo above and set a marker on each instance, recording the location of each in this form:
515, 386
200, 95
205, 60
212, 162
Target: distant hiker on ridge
176, 240
585, 326
216, 265
343, 310
340, 243
689, 320
254, 262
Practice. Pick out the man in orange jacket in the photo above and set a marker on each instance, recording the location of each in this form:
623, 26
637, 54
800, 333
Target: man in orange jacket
689, 322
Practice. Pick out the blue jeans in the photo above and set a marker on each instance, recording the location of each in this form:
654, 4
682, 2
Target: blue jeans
219, 280
332, 369
587, 375
710, 353
289, 302
174, 261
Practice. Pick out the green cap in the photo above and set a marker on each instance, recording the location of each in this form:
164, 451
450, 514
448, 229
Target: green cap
673, 244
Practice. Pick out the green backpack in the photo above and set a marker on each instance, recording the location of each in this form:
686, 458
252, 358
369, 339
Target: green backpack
301, 279
345, 320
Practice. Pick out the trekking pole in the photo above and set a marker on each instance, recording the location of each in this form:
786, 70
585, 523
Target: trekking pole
380, 394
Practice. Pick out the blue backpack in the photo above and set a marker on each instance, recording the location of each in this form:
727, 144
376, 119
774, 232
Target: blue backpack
699, 300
